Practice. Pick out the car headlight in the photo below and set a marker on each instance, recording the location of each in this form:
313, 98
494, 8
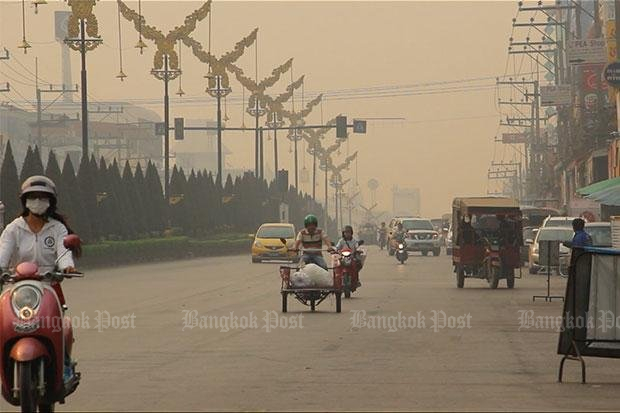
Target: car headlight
26, 300
258, 244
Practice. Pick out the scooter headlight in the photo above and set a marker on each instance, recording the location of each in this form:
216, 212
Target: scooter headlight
26, 300
346, 253
401, 246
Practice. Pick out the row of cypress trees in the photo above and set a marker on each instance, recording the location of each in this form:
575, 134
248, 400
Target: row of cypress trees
111, 201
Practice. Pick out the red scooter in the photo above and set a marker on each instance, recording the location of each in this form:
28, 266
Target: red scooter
34, 337
347, 267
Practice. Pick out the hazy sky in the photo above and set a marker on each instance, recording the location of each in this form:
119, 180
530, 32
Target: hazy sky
444, 146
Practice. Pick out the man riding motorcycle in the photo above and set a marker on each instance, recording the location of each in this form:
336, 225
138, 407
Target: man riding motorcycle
312, 238
382, 233
399, 234
37, 236
347, 241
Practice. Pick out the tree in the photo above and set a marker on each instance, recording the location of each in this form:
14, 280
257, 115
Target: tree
69, 199
88, 199
32, 164
52, 170
9, 185
157, 207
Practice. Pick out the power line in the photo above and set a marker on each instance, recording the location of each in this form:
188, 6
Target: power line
29, 71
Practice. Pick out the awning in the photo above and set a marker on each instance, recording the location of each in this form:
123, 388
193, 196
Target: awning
599, 186
609, 196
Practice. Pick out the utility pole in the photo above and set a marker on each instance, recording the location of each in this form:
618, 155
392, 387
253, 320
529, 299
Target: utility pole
52, 89
6, 56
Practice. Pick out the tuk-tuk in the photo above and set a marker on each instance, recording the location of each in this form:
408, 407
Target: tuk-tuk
487, 237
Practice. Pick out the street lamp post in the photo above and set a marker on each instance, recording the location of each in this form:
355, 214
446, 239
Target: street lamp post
274, 124
296, 136
256, 111
83, 12
166, 75
217, 90
323, 166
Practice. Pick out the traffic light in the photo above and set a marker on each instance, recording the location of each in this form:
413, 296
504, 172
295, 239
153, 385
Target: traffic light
282, 180
341, 127
160, 129
179, 129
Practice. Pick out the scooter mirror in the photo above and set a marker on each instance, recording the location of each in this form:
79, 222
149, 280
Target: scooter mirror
360, 242
72, 242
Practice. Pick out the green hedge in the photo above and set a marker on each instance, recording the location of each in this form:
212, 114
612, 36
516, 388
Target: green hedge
111, 253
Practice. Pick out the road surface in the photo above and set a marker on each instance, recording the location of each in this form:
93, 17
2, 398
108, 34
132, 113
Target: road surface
335, 362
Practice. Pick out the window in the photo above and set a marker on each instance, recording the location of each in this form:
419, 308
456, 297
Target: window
417, 225
275, 232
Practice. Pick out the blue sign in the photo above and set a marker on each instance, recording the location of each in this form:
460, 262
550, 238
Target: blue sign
612, 74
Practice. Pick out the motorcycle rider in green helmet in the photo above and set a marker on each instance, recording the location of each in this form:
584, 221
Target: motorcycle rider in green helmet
311, 239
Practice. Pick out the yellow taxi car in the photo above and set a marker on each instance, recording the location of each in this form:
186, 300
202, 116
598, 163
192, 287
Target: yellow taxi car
268, 246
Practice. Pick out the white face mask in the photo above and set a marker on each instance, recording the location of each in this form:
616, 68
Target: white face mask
38, 206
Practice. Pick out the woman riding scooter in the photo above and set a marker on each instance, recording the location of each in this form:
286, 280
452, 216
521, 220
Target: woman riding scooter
37, 236
347, 241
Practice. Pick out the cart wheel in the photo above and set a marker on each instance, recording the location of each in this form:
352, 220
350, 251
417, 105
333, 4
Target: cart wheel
312, 305
510, 278
460, 277
338, 302
284, 302
494, 279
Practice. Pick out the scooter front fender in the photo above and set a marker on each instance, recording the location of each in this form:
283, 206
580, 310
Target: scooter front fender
28, 349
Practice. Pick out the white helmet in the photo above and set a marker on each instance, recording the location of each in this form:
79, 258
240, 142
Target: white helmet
38, 183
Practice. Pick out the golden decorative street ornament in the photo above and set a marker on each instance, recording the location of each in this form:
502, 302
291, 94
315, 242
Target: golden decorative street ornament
82, 16
218, 77
165, 43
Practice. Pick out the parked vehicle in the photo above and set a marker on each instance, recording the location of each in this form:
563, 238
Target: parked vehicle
566, 222
347, 264
488, 237
529, 234
267, 245
534, 217
600, 233
559, 233
35, 337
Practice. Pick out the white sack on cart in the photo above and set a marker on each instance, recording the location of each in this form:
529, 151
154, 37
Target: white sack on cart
319, 277
300, 279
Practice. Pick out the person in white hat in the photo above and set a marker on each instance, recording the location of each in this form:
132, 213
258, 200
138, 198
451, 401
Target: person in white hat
37, 234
